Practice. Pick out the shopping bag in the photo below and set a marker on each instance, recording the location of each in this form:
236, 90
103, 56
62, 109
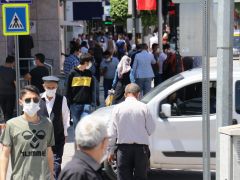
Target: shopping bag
109, 100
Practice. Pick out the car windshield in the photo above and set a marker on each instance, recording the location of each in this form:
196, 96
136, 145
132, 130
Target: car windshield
149, 96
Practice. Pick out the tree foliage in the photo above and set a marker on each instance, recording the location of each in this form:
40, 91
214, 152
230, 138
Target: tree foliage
149, 18
119, 13
119, 10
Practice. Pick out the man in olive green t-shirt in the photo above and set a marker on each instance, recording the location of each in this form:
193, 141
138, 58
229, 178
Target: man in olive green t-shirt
28, 140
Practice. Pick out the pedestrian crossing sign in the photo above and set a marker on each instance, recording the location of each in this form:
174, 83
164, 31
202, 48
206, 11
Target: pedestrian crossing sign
15, 19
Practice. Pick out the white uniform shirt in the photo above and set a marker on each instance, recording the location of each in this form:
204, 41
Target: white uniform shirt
131, 123
65, 111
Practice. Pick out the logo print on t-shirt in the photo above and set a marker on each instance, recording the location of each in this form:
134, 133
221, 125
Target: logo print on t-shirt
35, 136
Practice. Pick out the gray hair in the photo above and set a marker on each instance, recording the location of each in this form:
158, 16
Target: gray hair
132, 88
90, 132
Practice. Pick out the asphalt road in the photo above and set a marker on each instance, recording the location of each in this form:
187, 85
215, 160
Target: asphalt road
174, 175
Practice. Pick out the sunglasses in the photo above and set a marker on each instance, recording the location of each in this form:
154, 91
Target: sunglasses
28, 100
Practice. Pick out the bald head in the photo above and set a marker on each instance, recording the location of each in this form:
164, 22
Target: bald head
132, 89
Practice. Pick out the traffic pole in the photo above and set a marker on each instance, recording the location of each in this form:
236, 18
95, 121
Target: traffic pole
17, 74
224, 71
205, 91
160, 24
134, 21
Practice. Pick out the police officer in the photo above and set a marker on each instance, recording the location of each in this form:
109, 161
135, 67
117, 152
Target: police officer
54, 106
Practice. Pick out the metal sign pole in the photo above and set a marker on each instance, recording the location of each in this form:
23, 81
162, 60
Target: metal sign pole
224, 71
205, 91
159, 24
134, 21
17, 74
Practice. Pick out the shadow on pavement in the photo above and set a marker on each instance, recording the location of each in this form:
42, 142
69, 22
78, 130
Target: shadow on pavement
177, 175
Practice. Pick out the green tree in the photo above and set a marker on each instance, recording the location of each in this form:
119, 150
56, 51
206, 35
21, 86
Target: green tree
119, 10
149, 18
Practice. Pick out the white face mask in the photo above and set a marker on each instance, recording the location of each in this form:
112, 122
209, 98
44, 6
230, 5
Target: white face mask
51, 92
109, 59
89, 65
104, 157
31, 108
105, 154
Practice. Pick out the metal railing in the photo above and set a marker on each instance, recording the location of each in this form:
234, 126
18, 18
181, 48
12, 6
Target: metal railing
30, 64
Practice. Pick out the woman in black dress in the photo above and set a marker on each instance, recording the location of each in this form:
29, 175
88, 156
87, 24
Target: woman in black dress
123, 77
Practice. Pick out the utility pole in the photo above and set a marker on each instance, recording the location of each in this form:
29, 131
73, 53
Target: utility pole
224, 70
160, 24
205, 90
17, 68
134, 21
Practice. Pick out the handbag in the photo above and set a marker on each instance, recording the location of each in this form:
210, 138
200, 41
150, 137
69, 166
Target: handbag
109, 99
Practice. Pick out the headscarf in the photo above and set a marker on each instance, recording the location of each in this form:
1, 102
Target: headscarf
124, 66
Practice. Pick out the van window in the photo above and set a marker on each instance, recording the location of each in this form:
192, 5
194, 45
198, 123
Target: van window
237, 96
188, 100
149, 96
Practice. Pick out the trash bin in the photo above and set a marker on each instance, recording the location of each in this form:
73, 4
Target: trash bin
230, 152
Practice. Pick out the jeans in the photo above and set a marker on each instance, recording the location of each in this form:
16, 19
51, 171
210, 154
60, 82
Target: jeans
145, 84
78, 111
57, 165
7, 104
107, 85
132, 161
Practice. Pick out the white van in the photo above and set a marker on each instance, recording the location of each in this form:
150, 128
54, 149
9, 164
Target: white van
176, 106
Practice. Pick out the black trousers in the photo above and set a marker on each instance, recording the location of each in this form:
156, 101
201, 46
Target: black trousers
107, 85
7, 104
132, 161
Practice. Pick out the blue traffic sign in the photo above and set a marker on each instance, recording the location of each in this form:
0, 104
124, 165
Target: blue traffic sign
15, 1
15, 19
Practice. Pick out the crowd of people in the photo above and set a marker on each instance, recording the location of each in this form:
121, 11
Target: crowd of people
31, 139
120, 63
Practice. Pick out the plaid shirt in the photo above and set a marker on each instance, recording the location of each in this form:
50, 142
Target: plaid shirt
69, 63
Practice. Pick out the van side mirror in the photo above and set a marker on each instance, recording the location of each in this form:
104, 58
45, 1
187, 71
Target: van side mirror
166, 110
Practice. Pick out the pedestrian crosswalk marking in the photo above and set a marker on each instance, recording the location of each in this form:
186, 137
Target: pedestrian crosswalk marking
16, 23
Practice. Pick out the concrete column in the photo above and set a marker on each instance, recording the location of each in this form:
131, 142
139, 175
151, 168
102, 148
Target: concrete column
47, 37
3, 42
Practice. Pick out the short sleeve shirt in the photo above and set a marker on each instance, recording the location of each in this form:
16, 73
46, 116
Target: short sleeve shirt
28, 143
111, 67
7, 78
37, 74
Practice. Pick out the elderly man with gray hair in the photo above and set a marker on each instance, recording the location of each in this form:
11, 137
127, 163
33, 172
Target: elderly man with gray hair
132, 124
92, 141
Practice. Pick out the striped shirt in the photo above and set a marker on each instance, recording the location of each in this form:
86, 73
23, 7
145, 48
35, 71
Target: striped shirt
69, 63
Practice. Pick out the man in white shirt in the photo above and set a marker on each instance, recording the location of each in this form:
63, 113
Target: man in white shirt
54, 107
132, 124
